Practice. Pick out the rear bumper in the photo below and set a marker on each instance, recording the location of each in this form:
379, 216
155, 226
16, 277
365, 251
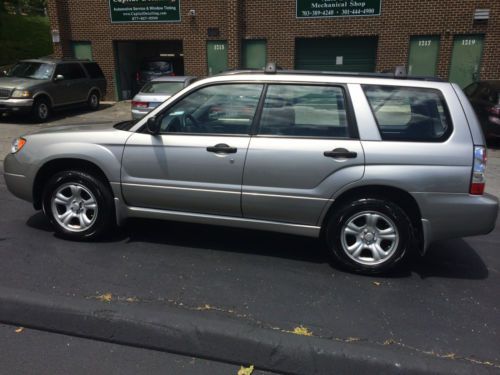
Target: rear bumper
15, 105
139, 113
447, 216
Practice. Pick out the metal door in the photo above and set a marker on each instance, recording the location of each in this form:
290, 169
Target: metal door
466, 59
254, 54
423, 56
216, 56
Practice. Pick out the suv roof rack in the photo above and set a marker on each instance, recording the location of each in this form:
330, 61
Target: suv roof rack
398, 73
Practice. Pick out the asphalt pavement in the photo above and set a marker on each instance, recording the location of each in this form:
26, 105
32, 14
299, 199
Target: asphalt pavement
28, 351
256, 296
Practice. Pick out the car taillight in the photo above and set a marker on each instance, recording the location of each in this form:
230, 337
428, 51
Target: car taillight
494, 110
140, 104
478, 180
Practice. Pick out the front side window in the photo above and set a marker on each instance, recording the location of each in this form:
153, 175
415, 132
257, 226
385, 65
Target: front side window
409, 113
220, 109
70, 71
304, 111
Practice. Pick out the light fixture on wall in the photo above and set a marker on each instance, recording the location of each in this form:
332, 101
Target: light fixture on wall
192, 13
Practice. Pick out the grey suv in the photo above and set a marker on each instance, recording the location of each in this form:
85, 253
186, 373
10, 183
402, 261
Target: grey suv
39, 86
376, 165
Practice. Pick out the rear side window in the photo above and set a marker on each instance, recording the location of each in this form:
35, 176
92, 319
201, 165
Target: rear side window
304, 111
94, 70
409, 113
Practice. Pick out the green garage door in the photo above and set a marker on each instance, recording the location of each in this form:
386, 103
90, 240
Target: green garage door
336, 54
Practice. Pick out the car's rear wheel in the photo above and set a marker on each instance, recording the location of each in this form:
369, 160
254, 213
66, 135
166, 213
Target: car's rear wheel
79, 205
94, 101
369, 235
41, 110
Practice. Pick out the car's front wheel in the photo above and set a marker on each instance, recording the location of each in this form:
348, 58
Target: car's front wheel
369, 235
79, 205
41, 110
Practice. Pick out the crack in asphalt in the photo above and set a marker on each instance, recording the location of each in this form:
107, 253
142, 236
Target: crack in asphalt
300, 330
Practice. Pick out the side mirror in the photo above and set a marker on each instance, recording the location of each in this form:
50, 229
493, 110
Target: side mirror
59, 77
153, 125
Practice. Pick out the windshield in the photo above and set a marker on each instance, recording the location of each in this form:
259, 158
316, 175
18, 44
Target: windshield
167, 88
33, 70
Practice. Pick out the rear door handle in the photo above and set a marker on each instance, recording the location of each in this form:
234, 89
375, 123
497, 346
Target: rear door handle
222, 148
341, 153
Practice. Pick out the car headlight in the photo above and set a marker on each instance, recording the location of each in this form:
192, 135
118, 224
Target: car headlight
21, 94
17, 145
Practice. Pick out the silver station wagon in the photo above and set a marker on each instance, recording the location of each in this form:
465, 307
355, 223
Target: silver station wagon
379, 166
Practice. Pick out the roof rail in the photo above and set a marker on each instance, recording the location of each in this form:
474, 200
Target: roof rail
398, 73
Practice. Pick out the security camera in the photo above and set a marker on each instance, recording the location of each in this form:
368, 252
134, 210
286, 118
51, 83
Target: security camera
192, 13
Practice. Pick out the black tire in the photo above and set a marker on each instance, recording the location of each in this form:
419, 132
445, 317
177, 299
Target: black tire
41, 110
338, 237
94, 101
92, 187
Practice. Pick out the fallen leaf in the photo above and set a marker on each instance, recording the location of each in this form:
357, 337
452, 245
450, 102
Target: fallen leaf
245, 370
351, 339
106, 297
377, 283
132, 299
205, 307
19, 330
389, 342
301, 330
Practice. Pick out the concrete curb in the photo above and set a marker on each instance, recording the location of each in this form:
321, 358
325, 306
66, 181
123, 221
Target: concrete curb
208, 335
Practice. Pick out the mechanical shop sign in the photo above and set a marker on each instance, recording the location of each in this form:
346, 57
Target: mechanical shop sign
337, 8
145, 11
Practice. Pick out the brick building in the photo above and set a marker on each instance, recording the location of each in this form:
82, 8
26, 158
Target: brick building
456, 40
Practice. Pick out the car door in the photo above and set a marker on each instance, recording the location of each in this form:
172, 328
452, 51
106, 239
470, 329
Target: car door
305, 149
71, 88
196, 162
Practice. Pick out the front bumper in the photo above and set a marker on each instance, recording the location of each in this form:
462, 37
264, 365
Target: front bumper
447, 216
15, 105
16, 178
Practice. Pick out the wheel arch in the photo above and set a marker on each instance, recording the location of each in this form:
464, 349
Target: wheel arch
397, 195
57, 165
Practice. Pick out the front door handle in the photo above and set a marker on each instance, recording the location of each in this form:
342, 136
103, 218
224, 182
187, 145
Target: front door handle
222, 148
341, 153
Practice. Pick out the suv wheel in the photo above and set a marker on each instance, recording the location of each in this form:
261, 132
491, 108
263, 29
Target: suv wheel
79, 205
41, 110
369, 235
94, 100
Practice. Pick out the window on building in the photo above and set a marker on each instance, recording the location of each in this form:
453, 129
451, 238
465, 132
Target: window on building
409, 113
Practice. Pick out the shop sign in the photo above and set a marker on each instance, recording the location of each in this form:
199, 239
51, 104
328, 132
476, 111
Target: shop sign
145, 11
337, 8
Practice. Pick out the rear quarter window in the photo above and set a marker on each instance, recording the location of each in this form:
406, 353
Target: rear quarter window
94, 70
409, 113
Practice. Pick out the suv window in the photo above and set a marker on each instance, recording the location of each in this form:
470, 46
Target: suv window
93, 70
409, 113
304, 111
219, 109
70, 71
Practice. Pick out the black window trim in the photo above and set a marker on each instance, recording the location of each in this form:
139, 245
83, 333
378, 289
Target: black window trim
446, 135
352, 127
254, 127
143, 128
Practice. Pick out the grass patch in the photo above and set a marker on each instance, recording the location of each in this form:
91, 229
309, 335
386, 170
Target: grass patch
23, 37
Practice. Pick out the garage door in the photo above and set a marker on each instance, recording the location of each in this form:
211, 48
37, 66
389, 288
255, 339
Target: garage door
336, 54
